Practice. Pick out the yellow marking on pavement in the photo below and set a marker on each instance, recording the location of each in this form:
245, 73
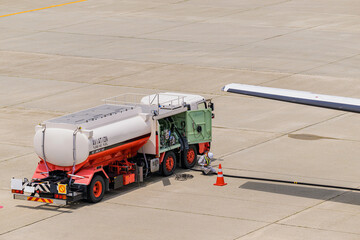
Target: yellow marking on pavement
33, 10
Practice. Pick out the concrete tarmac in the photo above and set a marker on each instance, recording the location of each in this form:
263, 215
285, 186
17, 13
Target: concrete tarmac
63, 57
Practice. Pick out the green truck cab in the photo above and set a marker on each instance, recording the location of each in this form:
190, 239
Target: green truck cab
184, 132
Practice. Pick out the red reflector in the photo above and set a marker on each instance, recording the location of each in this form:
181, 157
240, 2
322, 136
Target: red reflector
17, 191
59, 196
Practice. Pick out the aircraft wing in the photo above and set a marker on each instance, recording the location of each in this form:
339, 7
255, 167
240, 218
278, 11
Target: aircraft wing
300, 97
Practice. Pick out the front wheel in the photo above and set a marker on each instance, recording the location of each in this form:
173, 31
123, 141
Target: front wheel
189, 157
169, 164
96, 189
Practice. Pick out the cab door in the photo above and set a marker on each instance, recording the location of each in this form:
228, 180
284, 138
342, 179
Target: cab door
199, 126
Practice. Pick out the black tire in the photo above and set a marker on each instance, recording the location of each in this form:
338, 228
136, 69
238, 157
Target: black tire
189, 157
168, 165
96, 189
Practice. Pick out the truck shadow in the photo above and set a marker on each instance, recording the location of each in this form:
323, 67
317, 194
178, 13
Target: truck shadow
46, 207
340, 196
154, 178
180, 174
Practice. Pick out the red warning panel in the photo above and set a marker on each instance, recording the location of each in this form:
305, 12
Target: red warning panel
129, 178
44, 200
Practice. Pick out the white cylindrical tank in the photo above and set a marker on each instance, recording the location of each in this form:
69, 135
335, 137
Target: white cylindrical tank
76, 136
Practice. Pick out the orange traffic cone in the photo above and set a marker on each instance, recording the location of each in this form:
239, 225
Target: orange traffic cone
220, 178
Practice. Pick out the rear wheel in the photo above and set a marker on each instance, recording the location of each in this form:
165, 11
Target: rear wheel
169, 164
189, 157
96, 189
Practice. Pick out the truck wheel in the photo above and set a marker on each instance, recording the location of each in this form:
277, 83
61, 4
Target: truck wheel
189, 157
169, 164
96, 189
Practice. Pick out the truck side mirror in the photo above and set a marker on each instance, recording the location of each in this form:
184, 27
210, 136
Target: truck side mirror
211, 105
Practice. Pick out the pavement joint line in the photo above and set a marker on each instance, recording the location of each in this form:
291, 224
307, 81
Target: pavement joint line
49, 95
15, 144
251, 146
244, 129
73, 24
124, 76
288, 74
320, 229
18, 105
224, 15
169, 28
246, 44
72, 89
335, 61
103, 82
146, 8
222, 197
295, 31
303, 72
263, 131
291, 215
18, 37
35, 110
281, 135
136, 61
262, 40
38, 9
131, 74
318, 204
29, 224
234, 47
352, 213
39, 78
136, 38
235, 69
181, 1
135, 11
245, 69
188, 212
189, 23
81, 57
11, 158
106, 17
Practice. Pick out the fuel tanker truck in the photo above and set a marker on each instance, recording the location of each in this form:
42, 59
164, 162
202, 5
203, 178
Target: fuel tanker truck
128, 138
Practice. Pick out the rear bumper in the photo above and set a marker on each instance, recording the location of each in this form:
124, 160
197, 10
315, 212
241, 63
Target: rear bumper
39, 199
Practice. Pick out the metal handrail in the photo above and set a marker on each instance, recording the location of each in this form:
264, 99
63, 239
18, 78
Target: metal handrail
135, 99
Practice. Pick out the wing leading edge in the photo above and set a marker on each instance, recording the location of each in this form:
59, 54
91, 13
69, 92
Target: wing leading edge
300, 97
